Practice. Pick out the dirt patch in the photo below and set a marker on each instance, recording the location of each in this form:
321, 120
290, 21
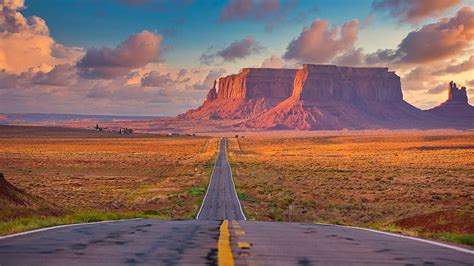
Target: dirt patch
442, 221
17, 203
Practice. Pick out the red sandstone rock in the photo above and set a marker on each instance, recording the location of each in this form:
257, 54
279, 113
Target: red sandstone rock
457, 106
318, 97
246, 94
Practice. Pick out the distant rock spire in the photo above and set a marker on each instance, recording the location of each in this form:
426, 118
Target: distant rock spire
455, 94
212, 94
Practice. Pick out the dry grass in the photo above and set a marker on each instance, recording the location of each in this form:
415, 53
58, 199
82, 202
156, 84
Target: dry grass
87, 172
358, 180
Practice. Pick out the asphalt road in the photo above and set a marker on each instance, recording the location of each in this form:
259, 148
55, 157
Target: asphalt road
131, 242
210, 241
221, 201
270, 243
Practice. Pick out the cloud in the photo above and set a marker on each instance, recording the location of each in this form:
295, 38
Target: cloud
413, 11
155, 79
106, 63
236, 50
458, 68
273, 62
440, 40
444, 39
153, 2
60, 75
270, 12
13, 21
240, 9
25, 42
210, 77
438, 89
353, 57
320, 44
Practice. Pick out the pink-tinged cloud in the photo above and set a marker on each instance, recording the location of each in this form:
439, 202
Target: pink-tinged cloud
273, 62
248, 9
442, 87
155, 79
270, 12
154, 2
236, 50
413, 11
13, 21
25, 42
443, 39
136, 52
458, 68
320, 44
353, 57
209, 80
60, 75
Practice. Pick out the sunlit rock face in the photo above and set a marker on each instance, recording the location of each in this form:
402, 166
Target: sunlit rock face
329, 82
456, 107
317, 97
246, 94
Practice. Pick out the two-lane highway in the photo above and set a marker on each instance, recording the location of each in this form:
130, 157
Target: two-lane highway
221, 201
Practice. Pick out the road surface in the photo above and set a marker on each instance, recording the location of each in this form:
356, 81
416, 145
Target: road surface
210, 241
221, 201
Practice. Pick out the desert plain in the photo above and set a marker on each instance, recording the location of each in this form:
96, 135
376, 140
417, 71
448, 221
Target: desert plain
414, 182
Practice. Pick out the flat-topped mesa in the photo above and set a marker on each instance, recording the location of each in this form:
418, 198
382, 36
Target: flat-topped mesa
354, 84
455, 94
254, 83
246, 94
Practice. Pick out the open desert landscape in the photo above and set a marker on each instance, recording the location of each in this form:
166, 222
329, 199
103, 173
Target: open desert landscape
416, 183
236, 132
84, 171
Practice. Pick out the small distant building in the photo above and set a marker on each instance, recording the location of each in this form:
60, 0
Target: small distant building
125, 131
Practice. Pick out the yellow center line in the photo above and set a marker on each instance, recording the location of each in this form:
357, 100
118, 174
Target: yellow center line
224, 251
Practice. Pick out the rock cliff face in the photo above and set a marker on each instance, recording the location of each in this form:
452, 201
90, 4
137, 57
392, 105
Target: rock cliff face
457, 106
316, 97
246, 94
329, 82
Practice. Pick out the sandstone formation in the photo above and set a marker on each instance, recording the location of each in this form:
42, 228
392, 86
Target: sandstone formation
457, 106
317, 97
246, 94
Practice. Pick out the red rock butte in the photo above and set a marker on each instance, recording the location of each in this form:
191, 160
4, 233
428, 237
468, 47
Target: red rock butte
321, 97
456, 106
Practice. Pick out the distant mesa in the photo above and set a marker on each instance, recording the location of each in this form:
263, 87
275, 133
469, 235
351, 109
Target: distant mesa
456, 106
324, 97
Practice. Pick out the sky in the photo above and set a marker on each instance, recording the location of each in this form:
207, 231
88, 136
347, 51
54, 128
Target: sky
160, 57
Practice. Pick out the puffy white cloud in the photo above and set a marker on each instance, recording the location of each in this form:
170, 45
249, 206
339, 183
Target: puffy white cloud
25, 42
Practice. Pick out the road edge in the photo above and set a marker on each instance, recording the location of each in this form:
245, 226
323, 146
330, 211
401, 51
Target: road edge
64, 226
210, 180
232, 179
465, 250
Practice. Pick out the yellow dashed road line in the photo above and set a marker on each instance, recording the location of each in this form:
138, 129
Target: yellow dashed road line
224, 248
224, 252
